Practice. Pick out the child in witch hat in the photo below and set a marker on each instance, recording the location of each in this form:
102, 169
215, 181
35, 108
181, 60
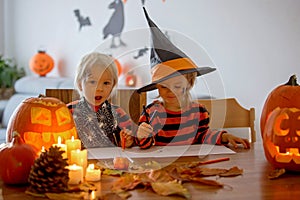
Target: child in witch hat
178, 120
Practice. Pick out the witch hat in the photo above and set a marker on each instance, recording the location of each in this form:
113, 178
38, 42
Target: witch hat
167, 60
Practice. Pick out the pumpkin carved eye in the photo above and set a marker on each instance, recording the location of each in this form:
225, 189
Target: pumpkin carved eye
63, 116
40, 115
279, 128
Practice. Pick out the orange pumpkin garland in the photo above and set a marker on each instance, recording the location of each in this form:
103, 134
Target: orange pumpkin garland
41, 63
40, 120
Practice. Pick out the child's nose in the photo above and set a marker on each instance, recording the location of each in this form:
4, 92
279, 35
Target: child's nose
100, 87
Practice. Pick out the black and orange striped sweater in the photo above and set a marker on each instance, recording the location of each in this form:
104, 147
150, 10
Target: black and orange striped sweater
189, 126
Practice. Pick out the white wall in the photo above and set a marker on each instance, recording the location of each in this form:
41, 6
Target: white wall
254, 45
1, 28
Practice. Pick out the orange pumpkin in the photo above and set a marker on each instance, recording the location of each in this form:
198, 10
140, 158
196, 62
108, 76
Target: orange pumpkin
41, 63
16, 160
41, 120
281, 138
283, 96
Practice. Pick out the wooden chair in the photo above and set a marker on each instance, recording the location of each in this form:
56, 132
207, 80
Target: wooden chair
228, 113
128, 99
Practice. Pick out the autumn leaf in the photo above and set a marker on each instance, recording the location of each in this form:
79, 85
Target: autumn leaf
206, 181
126, 182
276, 173
170, 188
234, 171
112, 172
159, 176
212, 171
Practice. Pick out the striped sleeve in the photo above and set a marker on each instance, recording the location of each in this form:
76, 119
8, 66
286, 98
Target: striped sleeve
124, 120
205, 135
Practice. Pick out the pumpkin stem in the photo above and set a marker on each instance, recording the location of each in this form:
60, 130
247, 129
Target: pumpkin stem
41, 95
17, 139
292, 81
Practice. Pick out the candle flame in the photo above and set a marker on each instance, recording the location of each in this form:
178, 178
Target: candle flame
91, 166
59, 140
72, 139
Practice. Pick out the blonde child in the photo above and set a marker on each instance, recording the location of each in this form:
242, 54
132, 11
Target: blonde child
98, 122
177, 120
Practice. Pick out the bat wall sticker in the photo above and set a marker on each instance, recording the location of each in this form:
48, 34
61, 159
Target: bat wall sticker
83, 21
141, 52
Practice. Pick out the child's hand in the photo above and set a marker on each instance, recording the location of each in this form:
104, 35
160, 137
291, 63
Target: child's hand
231, 139
144, 130
126, 136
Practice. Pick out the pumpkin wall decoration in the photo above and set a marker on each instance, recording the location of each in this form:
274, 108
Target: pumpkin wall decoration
40, 121
280, 126
41, 63
16, 160
281, 138
283, 96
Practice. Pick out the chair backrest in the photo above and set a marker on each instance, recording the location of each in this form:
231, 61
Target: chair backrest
228, 113
128, 99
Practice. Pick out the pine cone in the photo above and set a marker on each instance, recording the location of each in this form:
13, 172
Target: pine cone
49, 173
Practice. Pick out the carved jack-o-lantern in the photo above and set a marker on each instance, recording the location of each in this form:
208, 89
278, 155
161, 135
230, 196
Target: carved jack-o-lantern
283, 96
41, 120
41, 63
281, 138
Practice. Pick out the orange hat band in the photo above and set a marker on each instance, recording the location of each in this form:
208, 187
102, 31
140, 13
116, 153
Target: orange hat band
169, 67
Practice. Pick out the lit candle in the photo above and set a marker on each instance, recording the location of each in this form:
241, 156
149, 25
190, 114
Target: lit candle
92, 174
79, 157
72, 144
42, 150
62, 147
75, 174
93, 195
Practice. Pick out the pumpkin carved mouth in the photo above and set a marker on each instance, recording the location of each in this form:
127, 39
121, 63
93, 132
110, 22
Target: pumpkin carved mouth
291, 154
47, 138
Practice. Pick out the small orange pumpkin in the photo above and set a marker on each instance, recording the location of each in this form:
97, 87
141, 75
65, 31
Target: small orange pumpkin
41, 120
16, 160
281, 138
41, 63
283, 96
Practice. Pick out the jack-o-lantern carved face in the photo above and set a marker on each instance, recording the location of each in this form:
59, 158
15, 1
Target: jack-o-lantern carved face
41, 63
40, 121
282, 138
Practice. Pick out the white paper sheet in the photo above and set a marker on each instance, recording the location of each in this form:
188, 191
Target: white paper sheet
200, 150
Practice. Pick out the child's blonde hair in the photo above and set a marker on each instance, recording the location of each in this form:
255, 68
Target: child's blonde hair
95, 59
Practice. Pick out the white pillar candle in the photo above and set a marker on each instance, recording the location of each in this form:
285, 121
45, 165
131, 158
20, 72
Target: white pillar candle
62, 147
72, 144
75, 174
79, 157
92, 174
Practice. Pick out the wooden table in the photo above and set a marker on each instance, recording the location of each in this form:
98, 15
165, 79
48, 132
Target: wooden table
253, 184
